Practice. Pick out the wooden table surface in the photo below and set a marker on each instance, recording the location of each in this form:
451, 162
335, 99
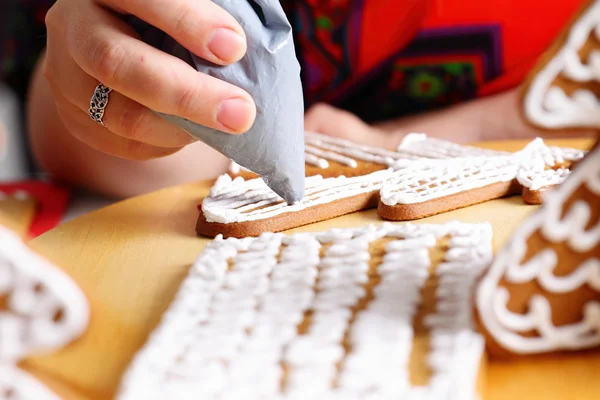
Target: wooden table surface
131, 257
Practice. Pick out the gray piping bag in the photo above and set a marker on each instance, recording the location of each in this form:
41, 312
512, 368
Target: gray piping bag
274, 146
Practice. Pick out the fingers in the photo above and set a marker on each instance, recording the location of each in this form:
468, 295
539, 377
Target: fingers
328, 120
123, 117
96, 137
199, 25
108, 50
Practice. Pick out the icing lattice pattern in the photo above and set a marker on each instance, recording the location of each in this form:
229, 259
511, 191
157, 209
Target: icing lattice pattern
319, 315
433, 179
546, 166
566, 222
41, 310
240, 200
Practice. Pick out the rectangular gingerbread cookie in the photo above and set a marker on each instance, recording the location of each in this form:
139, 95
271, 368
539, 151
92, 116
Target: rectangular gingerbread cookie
376, 312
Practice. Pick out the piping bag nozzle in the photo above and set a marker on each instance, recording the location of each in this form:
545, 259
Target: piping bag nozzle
273, 147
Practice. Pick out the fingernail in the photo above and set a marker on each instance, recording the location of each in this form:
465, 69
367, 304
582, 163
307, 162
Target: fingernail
227, 45
235, 114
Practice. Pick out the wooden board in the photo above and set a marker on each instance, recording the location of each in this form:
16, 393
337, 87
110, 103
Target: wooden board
131, 257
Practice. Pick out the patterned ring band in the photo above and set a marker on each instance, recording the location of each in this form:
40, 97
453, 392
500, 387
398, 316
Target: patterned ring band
98, 103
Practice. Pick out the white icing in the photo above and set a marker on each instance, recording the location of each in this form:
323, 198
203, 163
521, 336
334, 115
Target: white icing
537, 180
342, 151
316, 161
34, 291
321, 149
29, 318
537, 167
235, 168
571, 229
421, 145
218, 342
347, 161
549, 106
238, 200
22, 385
432, 179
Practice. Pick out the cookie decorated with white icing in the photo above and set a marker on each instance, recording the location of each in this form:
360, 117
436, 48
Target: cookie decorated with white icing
542, 293
563, 91
547, 167
380, 312
404, 191
331, 157
41, 310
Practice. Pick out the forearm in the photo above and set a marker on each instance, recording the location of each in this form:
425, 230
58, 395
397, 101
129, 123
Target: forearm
66, 158
493, 118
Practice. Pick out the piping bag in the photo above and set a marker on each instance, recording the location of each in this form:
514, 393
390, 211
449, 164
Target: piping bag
273, 147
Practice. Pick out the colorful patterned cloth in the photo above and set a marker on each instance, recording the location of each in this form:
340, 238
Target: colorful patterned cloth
379, 58
386, 58
22, 39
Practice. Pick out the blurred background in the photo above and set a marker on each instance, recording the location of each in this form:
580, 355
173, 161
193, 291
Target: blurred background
37, 202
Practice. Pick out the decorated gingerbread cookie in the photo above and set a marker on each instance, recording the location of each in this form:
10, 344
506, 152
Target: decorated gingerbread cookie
563, 91
331, 157
542, 293
41, 310
407, 189
380, 312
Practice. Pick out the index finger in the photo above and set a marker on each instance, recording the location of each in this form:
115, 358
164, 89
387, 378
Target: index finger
107, 51
201, 26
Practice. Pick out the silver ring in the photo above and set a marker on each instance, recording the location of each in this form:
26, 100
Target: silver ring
98, 103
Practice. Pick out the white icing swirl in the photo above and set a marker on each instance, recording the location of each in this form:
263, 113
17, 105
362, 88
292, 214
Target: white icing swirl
549, 106
35, 293
28, 325
558, 228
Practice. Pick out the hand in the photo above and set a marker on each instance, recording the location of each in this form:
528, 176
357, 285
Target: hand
88, 44
328, 120
497, 117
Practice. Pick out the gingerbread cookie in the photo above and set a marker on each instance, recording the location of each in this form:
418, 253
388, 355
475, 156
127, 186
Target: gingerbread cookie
542, 293
404, 191
41, 310
377, 312
549, 167
332, 157
563, 91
